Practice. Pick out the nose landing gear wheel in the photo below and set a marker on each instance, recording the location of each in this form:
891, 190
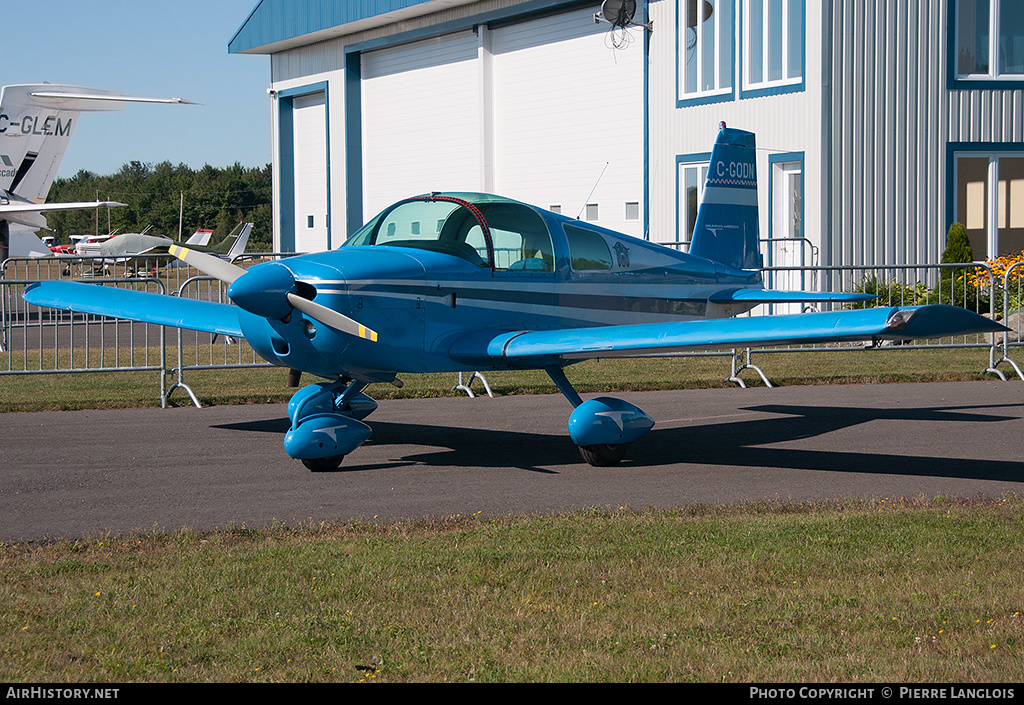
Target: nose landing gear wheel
324, 464
603, 455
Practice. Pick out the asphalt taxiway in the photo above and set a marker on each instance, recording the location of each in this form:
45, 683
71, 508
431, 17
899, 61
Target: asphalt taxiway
89, 473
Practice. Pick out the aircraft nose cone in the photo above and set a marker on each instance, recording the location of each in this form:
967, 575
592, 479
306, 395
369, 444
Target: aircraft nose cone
263, 290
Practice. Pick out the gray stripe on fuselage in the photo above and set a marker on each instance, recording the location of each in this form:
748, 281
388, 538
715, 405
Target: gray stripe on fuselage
517, 296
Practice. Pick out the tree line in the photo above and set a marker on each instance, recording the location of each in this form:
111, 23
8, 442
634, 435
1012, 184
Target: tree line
161, 196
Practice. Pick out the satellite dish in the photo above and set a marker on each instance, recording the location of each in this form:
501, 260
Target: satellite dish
691, 13
619, 13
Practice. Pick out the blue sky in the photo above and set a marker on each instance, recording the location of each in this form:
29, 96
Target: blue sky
150, 48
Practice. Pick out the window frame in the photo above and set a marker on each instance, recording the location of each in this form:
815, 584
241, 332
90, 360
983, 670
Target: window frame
992, 151
749, 89
993, 78
719, 93
699, 161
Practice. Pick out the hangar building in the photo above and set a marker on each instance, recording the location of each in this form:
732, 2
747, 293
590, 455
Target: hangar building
878, 123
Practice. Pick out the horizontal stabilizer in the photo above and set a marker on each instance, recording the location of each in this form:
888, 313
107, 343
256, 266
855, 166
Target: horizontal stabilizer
31, 214
25, 207
874, 324
771, 296
145, 307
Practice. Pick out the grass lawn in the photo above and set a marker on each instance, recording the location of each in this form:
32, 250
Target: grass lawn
891, 590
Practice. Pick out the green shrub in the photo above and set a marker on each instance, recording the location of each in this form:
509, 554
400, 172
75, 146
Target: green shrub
958, 246
953, 287
890, 293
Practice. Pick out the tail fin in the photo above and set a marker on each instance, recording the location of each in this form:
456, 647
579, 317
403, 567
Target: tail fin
726, 230
240, 242
35, 127
234, 242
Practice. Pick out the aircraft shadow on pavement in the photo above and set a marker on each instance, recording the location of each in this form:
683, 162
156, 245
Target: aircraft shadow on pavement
748, 443
738, 443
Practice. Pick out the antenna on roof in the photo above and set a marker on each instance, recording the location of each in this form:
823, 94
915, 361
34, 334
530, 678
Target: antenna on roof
601, 176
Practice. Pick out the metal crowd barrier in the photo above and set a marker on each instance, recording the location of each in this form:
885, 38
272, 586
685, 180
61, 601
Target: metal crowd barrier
204, 350
37, 340
1013, 318
46, 341
975, 286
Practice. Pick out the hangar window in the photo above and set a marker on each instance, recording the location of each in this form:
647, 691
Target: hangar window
773, 53
990, 201
989, 40
706, 48
587, 249
691, 178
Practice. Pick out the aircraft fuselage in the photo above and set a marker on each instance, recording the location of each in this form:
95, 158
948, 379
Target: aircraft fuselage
422, 302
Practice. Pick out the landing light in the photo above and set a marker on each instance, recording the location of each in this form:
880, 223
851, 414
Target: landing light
899, 319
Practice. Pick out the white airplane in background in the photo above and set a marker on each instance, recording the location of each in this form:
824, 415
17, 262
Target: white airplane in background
123, 247
36, 122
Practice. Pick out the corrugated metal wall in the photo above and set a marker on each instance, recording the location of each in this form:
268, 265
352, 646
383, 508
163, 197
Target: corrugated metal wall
888, 132
892, 117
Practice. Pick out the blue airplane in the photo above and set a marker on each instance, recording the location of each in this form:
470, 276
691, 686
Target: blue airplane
450, 282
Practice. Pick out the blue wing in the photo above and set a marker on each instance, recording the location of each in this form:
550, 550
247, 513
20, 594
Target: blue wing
539, 348
207, 316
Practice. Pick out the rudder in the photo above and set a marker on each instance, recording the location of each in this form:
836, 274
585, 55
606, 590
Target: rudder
726, 230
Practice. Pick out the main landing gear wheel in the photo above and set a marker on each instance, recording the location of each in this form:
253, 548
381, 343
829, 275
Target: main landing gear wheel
603, 455
324, 464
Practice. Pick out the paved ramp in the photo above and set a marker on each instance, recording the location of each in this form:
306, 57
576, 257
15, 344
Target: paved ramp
69, 474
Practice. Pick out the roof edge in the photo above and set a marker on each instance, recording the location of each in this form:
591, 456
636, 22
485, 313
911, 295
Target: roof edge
265, 32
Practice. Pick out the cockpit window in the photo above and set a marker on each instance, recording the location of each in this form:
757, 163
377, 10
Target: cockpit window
515, 234
587, 249
427, 224
522, 242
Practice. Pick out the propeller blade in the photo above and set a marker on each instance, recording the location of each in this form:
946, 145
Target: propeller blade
208, 264
332, 318
257, 292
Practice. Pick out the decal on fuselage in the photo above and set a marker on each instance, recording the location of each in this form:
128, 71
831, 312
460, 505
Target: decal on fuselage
622, 255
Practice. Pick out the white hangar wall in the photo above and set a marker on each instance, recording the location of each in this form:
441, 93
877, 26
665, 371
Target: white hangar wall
421, 119
787, 124
476, 98
866, 154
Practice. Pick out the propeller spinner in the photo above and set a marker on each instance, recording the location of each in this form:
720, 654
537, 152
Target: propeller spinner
268, 291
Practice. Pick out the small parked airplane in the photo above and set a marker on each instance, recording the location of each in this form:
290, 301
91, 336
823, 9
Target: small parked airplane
130, 245
36, 121
451, 282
